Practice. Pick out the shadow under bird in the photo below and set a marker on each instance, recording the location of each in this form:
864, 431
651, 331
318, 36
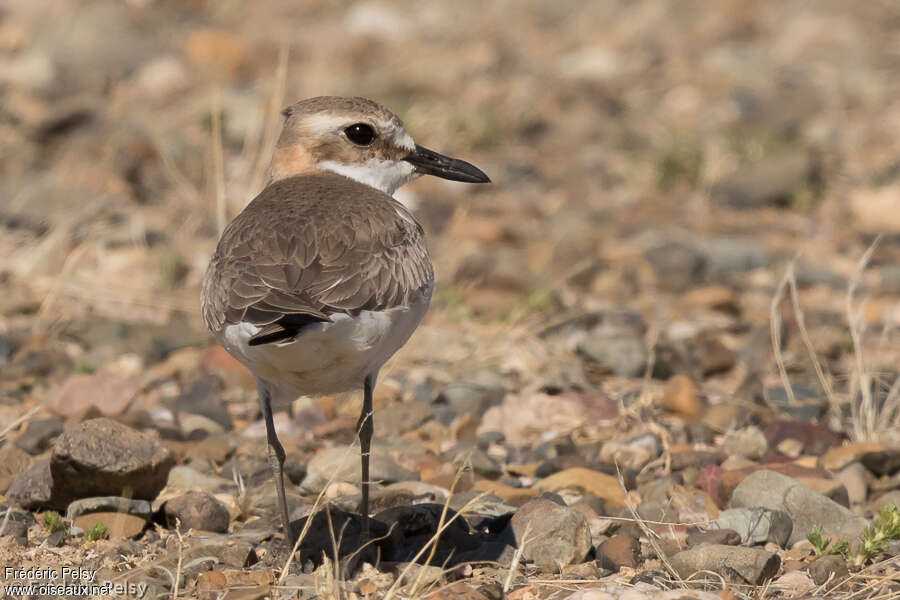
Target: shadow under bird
324, 276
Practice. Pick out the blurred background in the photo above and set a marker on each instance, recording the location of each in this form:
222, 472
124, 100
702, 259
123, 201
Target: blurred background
676, 185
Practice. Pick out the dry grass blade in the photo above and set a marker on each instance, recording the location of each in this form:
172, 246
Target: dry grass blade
18, 422
218, 161
863, 412
179, 566
775, 324
651, 535
441, 520
273, 121
516, 559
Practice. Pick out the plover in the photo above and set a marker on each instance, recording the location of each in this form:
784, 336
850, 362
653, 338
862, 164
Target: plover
324, 275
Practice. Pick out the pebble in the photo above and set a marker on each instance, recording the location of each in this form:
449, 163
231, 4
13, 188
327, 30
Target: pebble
757, 525
749, 443
102, 457
342, 464
13, 461
681, 398
38, 434
550, 535
805, 507
33, 488
116, 504
599, 484
831, 567
118, 525
109, 394
735, 563
198, 510
619, 551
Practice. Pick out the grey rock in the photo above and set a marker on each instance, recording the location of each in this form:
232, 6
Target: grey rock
198, 510
730, 255
552, 535
619, 551
33, 488
770, 182
204, 397
831, 567
728, 537
15, 529
396, 419
806, 507
37, 436
735, 563
853, 477
482, 464
102, 457
749, 443
676, 264
140, 508
208, 552
339, 464
622, 355
469, 397
808, 405
57, 538
892, 497
188, 478
493, 551
757, 525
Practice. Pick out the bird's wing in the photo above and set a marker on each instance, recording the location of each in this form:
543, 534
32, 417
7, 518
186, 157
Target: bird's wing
309, 247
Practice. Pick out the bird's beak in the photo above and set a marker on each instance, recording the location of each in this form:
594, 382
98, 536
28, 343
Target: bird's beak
429, 162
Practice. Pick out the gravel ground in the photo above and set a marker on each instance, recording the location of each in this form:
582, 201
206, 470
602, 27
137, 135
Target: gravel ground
662, 353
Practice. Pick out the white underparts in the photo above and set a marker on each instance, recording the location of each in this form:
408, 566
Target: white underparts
384, 175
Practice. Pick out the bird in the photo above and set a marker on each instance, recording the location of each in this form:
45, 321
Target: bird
324, 275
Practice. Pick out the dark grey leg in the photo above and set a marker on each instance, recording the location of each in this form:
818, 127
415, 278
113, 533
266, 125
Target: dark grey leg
276, 457
366, 427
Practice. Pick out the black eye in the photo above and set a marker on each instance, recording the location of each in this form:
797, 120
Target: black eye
360, 134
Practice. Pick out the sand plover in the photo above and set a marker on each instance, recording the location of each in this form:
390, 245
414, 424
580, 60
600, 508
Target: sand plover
324, 276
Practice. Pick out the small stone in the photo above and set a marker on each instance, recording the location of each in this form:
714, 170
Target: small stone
38, 434
117, 504
204, 397
118, 525
829, 568
459, 590
726, 537
734, 563
794, 584
102, 457
599, 484
188, 478
57, 538
806, 507
621, 354
109, 394
757, 525
808, 404
13, 462
680, 397
340, 465
838, 457
198, 510
677, 265
770, 182
853, 477
33, 488
551, 535
749, 443
619, 551
511, 495
15, 529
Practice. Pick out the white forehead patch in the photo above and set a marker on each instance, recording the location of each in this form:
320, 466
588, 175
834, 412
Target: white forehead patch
323, 123
384, 175
403, 140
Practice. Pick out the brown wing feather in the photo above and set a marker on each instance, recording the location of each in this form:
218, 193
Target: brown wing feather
314, 245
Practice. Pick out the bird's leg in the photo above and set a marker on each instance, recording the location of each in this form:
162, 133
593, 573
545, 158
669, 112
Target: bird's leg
365, 427
276, 458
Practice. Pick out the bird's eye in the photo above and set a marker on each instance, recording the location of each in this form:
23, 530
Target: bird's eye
360, 134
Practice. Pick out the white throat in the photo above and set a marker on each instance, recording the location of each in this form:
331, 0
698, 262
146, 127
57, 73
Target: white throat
384, 175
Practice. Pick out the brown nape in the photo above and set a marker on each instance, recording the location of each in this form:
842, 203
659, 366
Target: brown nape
291, 161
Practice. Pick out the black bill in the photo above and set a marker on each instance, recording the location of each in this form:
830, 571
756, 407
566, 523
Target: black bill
429, 162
